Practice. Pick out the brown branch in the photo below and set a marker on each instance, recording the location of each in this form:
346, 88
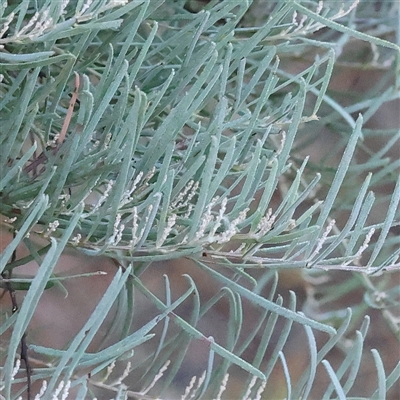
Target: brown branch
42, 158
24, 348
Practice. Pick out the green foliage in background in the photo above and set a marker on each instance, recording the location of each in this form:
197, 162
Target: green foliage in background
188, 140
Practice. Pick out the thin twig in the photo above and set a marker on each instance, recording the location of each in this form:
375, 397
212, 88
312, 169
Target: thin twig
24, 348
42, 158
70, 111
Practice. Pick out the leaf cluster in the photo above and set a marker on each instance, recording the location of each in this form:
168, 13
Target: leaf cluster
144, 132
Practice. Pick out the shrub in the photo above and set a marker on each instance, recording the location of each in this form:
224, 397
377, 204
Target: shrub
229, 140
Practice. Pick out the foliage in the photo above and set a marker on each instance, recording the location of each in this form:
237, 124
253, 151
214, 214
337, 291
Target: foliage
147, 131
